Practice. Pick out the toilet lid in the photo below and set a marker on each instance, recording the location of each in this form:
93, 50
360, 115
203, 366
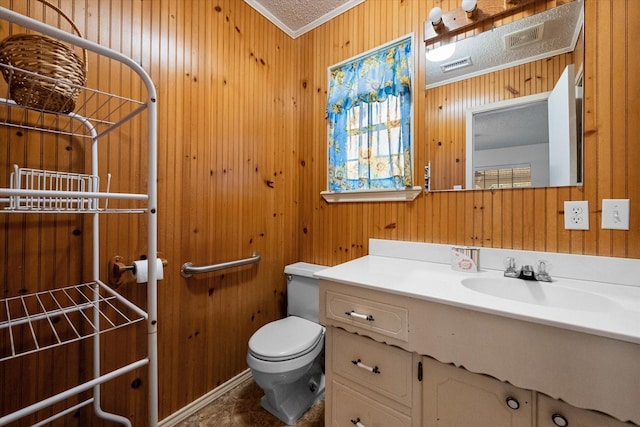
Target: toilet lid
285, 339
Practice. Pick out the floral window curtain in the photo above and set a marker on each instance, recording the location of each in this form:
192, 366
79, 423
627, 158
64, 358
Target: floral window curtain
369, 113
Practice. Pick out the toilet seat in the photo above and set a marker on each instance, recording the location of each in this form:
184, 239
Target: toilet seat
285, 339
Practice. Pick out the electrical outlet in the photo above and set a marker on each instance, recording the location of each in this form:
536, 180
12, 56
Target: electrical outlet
615, 214
576, 215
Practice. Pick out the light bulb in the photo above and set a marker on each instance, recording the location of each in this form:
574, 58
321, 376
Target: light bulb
469, 6
435, 16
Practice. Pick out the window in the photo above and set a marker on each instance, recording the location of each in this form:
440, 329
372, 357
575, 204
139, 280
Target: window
369, 111
502, 178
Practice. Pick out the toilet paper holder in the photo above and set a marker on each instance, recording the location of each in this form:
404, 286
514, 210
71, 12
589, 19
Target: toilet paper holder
118, 269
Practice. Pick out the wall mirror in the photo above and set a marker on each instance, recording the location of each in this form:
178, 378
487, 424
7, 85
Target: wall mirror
488, 116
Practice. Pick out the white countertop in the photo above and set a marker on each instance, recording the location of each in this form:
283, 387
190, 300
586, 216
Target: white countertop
437, 282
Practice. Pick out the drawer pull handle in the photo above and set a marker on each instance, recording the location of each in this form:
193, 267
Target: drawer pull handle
359, 364
559, 420
359, 316
357, 423
513, 403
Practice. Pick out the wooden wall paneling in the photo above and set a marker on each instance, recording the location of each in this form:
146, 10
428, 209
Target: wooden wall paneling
194, 118
303, 153
402, 217
457, 215
606, 112
529, 220
432, 218
392, 221
208, 287
620, 164
633, 117
223, 220
552, 221
478, 218
435, 224
449, 212
217, 288
572, 241
469, 216
562, 236
207, 88
486, 210
264, 49
507, 220
256, 299
516, 218
459, 136
174, 156
496, 226
540, 219
317, 150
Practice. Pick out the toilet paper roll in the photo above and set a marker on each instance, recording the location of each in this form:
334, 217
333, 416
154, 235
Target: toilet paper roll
142, 270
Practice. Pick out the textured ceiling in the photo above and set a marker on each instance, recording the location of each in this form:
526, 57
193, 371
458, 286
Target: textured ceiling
487, 51
510, 127
296, 17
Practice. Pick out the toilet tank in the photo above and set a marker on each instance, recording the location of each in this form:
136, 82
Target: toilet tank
303, 299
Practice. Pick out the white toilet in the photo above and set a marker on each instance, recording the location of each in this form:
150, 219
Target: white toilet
285, 356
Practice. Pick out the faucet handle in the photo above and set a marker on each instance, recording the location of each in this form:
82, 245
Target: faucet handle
543, 271
510, 262
510, 269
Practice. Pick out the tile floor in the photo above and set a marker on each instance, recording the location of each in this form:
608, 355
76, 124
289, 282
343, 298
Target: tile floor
240, 407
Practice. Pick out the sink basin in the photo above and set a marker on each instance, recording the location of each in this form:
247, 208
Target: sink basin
540, 293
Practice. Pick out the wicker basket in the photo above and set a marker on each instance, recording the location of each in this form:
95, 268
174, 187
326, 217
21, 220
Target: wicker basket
53, 73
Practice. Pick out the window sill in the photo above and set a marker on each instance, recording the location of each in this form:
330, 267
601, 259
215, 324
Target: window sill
382, 195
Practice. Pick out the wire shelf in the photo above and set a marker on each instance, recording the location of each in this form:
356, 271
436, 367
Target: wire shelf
105, 111
44, 180
45, 191
34, 322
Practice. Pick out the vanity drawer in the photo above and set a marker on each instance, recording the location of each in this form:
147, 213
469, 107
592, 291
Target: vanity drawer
368, 315
381, 368
351, 408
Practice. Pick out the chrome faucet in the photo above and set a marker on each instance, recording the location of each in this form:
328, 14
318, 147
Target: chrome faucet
510, 267
527, 272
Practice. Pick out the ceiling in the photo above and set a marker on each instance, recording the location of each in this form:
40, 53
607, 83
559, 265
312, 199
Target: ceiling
296, 17
487, 52
510, 127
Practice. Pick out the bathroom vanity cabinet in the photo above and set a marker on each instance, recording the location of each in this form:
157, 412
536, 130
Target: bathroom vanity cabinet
396, 360
456, 397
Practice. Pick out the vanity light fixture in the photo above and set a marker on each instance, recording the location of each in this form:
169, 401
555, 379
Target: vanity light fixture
470, 7
435, 16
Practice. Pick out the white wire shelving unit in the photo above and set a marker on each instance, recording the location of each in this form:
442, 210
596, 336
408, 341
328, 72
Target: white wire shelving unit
71, 312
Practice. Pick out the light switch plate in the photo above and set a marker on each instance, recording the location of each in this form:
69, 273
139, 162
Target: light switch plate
615, 214
576, 215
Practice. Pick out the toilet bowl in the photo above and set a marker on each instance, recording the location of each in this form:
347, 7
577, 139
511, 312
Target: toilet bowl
286, 356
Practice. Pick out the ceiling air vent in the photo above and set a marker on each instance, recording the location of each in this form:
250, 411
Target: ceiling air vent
524, 37
457, 64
